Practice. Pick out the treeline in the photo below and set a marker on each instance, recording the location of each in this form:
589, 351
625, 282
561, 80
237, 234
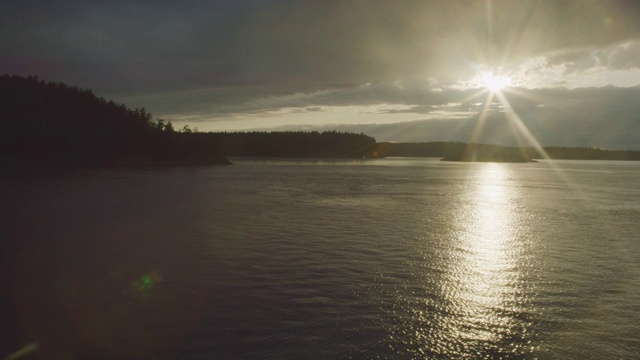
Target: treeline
51, 123
585, 153
464, 151
423, 149
456, 151
328, 144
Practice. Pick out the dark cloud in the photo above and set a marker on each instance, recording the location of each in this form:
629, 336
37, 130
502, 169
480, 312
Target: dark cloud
315, 43
120, 44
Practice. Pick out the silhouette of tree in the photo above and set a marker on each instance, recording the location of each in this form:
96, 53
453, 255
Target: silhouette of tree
160, 125
53, 123
330, 144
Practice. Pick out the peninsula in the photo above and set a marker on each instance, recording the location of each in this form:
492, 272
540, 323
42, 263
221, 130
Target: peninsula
54, 124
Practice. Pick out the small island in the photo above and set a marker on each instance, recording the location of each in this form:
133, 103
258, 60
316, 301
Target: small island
458, 151
471, 152
489, 153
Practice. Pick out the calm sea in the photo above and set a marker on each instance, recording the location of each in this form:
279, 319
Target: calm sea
389, 259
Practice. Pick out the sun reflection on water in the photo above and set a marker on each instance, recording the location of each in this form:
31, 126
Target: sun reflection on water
482, 280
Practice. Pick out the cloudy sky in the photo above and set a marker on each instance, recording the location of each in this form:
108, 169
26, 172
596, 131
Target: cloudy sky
500, 71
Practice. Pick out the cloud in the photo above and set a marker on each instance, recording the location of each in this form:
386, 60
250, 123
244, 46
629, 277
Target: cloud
315, 44
226, 61
617, 64
625, 56
619, 56
606, 117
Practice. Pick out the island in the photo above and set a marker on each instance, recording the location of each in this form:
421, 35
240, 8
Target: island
488, 153
470, 152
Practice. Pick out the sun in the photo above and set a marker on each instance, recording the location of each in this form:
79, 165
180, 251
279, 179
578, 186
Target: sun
494, 83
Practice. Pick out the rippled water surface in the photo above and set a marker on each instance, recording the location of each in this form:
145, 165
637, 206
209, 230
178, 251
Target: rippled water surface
391, 258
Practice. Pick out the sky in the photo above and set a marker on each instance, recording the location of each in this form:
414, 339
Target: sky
563, 73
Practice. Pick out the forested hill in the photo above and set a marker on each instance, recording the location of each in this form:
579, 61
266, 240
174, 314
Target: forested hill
46, 123
328, 144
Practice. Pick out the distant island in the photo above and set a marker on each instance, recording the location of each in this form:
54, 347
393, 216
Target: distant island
488, 153
459, 151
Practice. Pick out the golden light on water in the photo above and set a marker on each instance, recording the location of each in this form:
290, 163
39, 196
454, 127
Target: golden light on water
488, 234
482, 278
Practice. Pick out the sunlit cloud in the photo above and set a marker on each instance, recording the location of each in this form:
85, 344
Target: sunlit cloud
614, 65
537, 73
617, 65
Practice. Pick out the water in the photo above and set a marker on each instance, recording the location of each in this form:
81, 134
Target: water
390, 259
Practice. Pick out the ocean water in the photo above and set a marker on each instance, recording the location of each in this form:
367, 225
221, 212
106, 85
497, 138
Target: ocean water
372, 259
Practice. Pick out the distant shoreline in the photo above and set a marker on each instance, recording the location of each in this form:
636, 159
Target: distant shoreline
459, 151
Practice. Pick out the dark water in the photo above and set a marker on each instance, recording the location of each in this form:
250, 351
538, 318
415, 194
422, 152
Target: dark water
394, 258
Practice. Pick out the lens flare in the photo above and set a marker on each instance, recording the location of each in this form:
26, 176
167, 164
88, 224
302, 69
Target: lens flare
146, 283
24, 351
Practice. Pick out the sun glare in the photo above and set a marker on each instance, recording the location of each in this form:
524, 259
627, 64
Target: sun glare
493, 82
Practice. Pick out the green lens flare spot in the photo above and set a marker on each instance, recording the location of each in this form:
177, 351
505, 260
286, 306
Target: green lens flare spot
145, 284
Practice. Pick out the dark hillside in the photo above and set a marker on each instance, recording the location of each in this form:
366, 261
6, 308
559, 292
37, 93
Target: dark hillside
49, 123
